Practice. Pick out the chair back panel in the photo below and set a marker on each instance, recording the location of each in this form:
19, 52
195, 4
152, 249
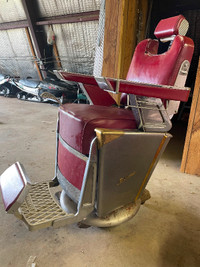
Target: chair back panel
148, 67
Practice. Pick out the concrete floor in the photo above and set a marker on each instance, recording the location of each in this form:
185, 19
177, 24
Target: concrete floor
165, 232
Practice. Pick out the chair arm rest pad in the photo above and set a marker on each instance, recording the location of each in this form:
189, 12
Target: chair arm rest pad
129, 87
154, 90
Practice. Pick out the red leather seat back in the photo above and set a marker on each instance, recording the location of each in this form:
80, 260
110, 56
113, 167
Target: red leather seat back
148, 66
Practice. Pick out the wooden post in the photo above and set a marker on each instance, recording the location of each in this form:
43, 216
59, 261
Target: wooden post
120, 36
55, 50
143, 19
191, 154
33, 53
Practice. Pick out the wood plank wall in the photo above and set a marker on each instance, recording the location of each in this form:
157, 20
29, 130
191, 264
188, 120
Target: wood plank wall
191, 154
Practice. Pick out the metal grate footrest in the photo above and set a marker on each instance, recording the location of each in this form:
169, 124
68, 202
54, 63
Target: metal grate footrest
39, 209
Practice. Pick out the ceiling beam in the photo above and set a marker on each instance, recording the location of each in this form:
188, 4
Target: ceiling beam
71, 18
14, 25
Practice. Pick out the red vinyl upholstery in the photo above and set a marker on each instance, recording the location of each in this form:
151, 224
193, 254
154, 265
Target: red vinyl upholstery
76, 169
149, 67
12, 176
99, 96
78, 121
171, 26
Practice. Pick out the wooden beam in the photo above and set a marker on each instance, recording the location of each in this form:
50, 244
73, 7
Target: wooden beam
33, 53
120, 38
128, 35
70, 18
191, 153
143, 19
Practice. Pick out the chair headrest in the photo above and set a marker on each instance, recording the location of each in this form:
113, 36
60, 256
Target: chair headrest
168, 28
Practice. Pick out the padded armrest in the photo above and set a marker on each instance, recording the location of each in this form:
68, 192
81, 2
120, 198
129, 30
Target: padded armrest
153, 90
123, 86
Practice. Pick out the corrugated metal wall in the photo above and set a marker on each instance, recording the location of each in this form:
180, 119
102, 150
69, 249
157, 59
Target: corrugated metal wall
75, 41
76, 45
11, 10
15, 54
62, 7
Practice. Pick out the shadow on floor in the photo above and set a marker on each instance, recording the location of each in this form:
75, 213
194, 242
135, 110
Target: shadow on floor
169, 235
179, 250
175, 147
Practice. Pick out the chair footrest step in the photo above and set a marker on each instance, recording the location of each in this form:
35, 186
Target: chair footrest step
40, 209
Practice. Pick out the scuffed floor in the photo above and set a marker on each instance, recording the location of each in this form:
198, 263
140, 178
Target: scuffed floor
165, 232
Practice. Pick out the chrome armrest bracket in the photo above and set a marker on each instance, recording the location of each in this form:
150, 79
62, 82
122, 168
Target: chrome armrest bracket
150, 114
105, 84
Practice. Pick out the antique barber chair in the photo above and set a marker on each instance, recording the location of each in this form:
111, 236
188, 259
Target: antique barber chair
105, 154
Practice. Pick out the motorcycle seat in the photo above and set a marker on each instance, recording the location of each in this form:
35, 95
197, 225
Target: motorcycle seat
29, 83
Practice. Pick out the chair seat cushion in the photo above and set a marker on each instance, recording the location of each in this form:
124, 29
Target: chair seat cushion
77, 123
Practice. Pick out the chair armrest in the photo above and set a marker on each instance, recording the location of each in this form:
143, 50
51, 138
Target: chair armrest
123, 86
157, 91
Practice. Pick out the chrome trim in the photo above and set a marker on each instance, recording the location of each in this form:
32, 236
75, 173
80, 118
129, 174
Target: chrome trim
116, 217
57, 138
70, 189
150, 114
87, 197
86, 93
72, 150
153, 163
104, 84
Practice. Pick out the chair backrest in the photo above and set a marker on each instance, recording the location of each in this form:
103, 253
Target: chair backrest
169, 68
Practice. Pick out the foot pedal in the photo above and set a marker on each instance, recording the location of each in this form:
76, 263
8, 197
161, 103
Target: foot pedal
39, 209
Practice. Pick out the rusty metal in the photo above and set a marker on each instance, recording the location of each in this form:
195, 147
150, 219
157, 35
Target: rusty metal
33, 53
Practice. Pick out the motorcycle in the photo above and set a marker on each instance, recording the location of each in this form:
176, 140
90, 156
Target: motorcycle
32, 90
7, 88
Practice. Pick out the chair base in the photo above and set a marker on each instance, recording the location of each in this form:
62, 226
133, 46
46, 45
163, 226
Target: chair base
114, 218
36, 206
120, 215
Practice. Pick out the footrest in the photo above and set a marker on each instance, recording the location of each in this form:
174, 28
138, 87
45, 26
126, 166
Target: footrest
14, 185
39, 209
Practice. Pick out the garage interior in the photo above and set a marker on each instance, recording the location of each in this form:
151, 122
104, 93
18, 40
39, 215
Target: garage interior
166, 230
